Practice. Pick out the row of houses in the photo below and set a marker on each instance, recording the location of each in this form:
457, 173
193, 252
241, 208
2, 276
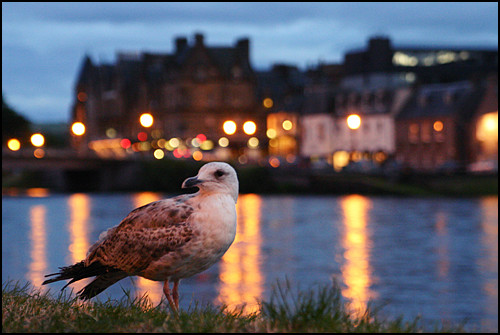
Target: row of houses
427, 108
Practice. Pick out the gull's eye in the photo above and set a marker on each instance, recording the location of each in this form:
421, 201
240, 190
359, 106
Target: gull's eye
218, 173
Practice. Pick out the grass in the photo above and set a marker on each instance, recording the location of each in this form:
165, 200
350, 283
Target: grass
321, 309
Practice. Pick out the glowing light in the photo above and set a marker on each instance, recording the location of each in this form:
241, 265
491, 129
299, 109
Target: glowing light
174, 142
223, 142
178, 153
78, 128
146, 120
356, 270
125, 143
158, 154
487, 127
380, 157
253, 142
241, 277
229, 127
287, 125
340, 160
111, 133
201, 138
142, 136
438, 126
207, 145
271, 133
268, 102
249, 127
39, 153
197, 155
274, 162
353, 121
38, 243
37, 140
195, 142
14, 144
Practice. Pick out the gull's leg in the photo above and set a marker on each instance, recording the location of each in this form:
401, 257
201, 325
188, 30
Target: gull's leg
166, 290
175, 293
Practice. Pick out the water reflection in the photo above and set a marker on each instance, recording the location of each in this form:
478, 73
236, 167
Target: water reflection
356, 270
79, 209
437, 258
443, 253
38, 237
489, 263
240, 273
153, 289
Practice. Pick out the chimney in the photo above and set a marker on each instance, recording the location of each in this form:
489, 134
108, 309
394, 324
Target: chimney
198, 39
180, 44
243, 46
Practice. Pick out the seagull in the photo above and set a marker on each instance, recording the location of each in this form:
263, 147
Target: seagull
166, 240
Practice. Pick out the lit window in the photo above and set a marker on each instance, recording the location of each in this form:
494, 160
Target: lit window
413, 131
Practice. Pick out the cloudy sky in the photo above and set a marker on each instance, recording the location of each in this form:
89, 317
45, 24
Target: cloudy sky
43, 44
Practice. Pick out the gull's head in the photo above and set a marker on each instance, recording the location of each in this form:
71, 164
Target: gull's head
215, 177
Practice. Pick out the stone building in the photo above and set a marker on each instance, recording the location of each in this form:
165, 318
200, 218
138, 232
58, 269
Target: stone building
189, 92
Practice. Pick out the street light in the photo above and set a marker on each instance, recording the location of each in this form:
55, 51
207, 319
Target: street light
78, 128
14, 144
353, 121
37, 140
249, 127
229, 127
146, 120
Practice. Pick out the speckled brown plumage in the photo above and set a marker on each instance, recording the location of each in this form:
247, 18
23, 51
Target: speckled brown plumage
169, 239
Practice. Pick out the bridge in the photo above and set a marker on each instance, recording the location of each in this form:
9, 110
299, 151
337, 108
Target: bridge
68, 170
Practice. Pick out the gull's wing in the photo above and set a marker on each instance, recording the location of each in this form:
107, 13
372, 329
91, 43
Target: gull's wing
145, 235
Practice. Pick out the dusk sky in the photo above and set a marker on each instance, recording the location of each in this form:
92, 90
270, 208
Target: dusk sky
43, 44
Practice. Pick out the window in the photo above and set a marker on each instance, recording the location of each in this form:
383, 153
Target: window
413, 131
438, 127
425, 132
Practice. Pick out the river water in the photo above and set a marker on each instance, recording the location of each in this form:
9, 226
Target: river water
436, 258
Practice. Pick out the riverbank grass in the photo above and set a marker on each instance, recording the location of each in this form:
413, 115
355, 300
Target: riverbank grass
320, 309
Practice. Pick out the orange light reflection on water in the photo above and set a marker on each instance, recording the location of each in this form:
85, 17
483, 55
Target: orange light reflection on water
356, 270
153, 289
240, 273
38, 237
489, 225
79, 209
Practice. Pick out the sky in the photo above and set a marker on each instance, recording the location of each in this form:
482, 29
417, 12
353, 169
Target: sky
43, 44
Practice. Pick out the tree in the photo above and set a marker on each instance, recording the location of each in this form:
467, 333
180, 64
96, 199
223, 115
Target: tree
13, 124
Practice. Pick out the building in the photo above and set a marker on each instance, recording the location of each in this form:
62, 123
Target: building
318, 133
192, 91
280, 91
484, 130
375, 84
432, 129
382, 64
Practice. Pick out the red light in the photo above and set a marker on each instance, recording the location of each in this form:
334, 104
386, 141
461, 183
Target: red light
142, 136
178, 153
125, 143
201, 138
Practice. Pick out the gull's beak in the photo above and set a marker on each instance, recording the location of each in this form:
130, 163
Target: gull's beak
191, 182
